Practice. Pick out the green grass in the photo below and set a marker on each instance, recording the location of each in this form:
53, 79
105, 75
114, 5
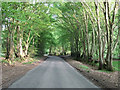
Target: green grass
32, 60
18, 59
28, 62
104, 71
97, 64
3, 61
84, 67
116, 65
2, 54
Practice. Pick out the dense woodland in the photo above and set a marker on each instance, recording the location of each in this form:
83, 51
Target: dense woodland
87, 31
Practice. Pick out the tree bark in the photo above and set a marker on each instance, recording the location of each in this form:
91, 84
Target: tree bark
8, 44
27, 44
93, 43
11, 46
87, 35
99, 36
109, 47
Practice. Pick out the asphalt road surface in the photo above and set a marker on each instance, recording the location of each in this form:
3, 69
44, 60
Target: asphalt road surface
53, 73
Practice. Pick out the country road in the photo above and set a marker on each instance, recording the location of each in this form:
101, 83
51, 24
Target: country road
53, 73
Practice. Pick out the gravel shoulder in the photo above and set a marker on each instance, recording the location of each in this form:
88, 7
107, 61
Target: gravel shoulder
12, 73
101, 79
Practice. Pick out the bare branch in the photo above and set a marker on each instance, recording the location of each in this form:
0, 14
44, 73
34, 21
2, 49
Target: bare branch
113, 17
90, 10
116, 40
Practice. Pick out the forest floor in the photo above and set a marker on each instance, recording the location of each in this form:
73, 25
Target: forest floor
12, 73
101, 78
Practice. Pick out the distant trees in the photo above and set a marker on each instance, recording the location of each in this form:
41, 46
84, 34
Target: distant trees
25, 25
93, 30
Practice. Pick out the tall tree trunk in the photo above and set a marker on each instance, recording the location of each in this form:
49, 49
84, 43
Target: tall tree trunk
77, 47
11, 31
27, 44
20, 44
18, 37
93, 43
63, 49
87, 35
109, 23
72, 46
84, 45
107, 30
11, 46
8, 45
99, 36
110, 51
103, 49
50, 49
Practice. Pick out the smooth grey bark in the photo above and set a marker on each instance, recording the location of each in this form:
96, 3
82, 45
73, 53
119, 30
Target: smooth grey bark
99, 35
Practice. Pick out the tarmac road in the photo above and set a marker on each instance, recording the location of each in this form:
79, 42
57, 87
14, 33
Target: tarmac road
53, 73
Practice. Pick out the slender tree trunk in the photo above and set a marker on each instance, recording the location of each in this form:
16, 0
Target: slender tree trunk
107, 30
27, 44
63, 49
77, 47
110, 33
26, 50
84, 45
20, 44
87, 35
117, 40
20, 47
18, 37
8, 45
50, 49
110, 51
72, 46
104, 43
11, 31
11, 46
99, 36
93, 43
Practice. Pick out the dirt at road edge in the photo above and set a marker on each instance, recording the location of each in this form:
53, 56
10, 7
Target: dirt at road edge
12, 73
100, 79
